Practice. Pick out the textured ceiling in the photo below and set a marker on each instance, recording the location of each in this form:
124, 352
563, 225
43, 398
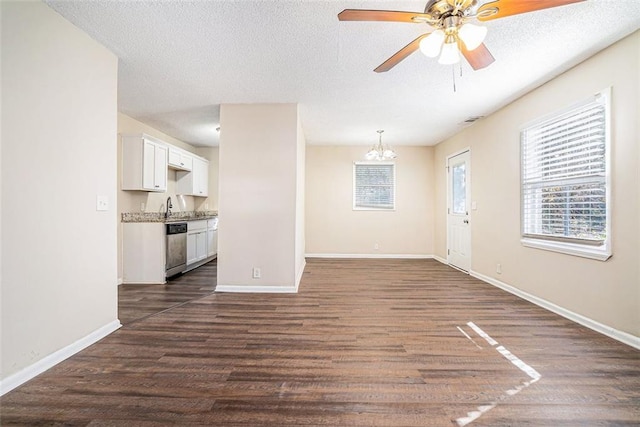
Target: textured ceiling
179, 60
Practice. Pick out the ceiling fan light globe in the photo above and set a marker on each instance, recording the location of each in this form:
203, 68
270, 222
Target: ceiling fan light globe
430, 46
450, 54
472, 35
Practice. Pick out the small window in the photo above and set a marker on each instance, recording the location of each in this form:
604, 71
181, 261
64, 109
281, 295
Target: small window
565, 185
374, 186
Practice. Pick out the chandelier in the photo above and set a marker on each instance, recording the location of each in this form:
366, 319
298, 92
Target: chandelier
380, 152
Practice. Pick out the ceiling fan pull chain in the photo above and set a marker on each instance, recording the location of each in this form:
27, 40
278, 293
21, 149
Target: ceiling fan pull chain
453, 74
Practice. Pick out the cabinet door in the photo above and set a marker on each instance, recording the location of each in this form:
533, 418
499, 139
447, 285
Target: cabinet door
212, 242
175, 157
180, 160
200, 177
148, 165
201, 245
160, 168
196, 182
186, 162
192, 255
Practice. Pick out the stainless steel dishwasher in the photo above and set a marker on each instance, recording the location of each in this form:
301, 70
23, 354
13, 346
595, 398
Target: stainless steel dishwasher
176, 248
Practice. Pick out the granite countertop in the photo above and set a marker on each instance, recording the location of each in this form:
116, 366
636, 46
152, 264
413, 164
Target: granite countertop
175, 216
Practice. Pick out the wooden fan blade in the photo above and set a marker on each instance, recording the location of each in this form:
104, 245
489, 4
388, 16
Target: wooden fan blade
479, 57
382, 15
400, 55
515, 7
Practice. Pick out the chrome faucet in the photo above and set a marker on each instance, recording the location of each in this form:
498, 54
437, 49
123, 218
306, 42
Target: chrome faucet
167, 214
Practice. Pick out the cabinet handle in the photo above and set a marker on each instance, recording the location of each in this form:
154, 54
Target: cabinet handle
157, 186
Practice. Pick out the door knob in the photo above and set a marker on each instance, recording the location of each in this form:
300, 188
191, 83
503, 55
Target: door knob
466, 221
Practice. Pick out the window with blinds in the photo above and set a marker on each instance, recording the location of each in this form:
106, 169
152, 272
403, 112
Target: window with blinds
564, 175
374, 186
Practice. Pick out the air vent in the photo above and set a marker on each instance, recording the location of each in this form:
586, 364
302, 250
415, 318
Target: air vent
473, 119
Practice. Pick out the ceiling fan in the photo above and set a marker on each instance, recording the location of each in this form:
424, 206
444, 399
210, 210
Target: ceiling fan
452, 31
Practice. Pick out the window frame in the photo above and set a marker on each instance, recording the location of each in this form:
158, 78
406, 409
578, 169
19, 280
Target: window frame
599, 251
355, 206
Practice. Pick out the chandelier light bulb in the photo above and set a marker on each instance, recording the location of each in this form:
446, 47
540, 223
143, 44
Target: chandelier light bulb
389, 154
372, 154
431, 44
472, 35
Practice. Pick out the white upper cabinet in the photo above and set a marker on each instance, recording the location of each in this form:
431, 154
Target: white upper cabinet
144, 163
196, 182
179, 159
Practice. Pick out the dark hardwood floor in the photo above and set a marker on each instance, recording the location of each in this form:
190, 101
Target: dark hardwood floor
363, 343
136, 302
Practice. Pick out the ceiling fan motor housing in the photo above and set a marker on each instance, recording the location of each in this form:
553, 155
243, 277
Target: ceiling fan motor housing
439, 9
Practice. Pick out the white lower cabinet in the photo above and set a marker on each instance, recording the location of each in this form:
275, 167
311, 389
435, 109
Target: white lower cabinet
196, 246
143, 253
144, 249
191, 248
212, 237
198, 242
212, 242
201, 245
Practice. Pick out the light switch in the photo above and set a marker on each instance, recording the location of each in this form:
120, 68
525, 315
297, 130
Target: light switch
474, 206
102, 203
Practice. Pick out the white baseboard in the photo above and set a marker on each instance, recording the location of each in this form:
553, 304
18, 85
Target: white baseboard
265, 289
257, 289
300, 273
616, 334
31, 371
441, 260
390, 256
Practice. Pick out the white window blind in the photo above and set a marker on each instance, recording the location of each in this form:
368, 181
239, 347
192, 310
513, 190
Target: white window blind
373, 186
564, 175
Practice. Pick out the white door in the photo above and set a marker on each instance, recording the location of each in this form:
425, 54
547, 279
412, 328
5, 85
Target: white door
459, 196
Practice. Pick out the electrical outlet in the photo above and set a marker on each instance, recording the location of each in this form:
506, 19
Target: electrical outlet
256, 273
499, 268
141, 206
376, 246
206, 206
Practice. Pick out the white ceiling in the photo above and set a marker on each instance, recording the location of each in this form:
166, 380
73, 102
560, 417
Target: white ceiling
179, 60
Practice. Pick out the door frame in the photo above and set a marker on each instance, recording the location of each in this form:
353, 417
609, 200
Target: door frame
448, 204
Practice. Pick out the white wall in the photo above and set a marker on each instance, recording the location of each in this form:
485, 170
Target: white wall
334, 228
300, 235
258, 176
607, 292
59, 125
